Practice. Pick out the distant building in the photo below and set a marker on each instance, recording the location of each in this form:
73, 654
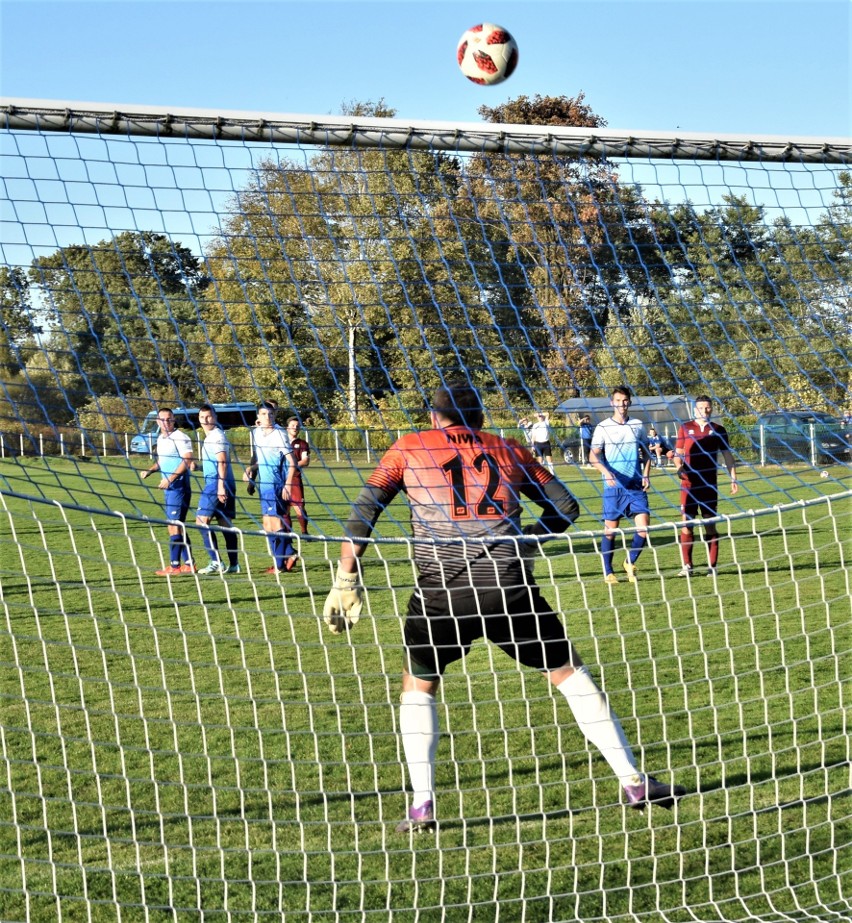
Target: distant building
663, 411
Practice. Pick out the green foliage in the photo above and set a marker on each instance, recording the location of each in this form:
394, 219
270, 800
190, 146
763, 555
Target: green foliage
351, 281
122, 315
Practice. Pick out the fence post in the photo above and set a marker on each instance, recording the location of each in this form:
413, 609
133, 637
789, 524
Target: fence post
812, 432
367, 440
82, 444
2, 447
41, 444
21, 442
762, 446
103, 442
62, 444
336, 446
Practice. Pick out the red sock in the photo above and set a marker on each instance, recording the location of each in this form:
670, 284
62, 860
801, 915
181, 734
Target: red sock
713, 550
685, 540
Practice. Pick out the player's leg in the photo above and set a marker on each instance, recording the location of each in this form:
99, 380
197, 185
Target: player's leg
420, 733
686, 539
608, 549
273, 509
433, 639
210, 543
180, 554
175, 541
297, 502
641, 517
231, 540
538, 641
225, 514
708, 505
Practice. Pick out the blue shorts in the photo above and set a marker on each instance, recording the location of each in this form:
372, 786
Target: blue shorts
624, 503
271, 503
210, 506
176, 503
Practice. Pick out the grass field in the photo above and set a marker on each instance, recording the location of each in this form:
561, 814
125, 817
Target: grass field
200, 749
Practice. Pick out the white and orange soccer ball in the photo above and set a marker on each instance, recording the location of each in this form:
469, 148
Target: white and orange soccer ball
487, 54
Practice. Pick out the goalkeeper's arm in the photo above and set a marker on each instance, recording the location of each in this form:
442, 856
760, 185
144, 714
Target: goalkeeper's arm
559, 507
342, 608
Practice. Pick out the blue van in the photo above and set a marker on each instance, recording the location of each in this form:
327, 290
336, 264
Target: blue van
229, 416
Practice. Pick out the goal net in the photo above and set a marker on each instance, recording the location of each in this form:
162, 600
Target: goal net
199, 746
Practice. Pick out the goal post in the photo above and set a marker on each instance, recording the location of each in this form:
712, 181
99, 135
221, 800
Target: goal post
199, 746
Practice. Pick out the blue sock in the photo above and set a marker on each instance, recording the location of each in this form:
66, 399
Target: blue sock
275, 546
607, 550
231, 546
210, 543
185, 548
175, 548
284, 549
636, 547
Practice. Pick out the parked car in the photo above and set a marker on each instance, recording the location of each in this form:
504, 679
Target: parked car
802, 436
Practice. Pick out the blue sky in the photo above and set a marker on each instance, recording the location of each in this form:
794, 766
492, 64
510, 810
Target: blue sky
759, 67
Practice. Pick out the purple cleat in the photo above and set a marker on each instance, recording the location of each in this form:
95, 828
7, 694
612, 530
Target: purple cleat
650, 791
419, 820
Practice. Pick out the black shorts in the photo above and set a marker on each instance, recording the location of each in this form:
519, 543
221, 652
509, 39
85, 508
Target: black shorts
703, 499
441, 625
543, 449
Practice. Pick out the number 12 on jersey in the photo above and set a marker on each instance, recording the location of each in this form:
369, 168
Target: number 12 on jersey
466, 485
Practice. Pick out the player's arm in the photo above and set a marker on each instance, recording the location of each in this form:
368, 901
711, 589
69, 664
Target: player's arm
645, 458
305, 460
366, 509
597, 459
342, 608
250, 471
731, 465
154, 468
222, 472
679, 457
559, 507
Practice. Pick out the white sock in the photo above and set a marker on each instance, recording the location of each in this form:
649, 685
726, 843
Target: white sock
599, 724
418, 724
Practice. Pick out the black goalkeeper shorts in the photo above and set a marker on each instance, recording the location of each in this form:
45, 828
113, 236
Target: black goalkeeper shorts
442, 624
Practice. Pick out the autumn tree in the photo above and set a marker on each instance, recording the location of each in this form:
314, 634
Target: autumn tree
557, 228
336, 289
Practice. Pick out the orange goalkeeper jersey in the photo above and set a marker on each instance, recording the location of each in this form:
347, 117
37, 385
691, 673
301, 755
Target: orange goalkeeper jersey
462, 484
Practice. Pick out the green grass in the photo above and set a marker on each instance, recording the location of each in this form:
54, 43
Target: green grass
203, 750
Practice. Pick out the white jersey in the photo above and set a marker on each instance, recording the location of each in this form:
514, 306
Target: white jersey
620, 444
216, 442
274, 455
540, 431
171, 450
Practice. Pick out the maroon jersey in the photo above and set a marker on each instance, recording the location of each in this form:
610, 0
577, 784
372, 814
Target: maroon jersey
699, 447
301, 453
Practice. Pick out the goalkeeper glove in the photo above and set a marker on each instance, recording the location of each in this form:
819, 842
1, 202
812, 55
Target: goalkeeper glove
342, 609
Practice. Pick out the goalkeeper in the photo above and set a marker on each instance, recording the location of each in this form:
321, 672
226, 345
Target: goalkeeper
464, 488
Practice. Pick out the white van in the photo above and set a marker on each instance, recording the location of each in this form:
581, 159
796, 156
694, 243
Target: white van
186, 418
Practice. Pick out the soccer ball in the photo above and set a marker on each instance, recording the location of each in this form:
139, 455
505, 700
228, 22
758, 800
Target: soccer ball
487, 54
823, 474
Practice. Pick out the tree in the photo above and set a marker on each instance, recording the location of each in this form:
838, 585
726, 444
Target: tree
562, 233
737, 315
121, 316
332, 275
